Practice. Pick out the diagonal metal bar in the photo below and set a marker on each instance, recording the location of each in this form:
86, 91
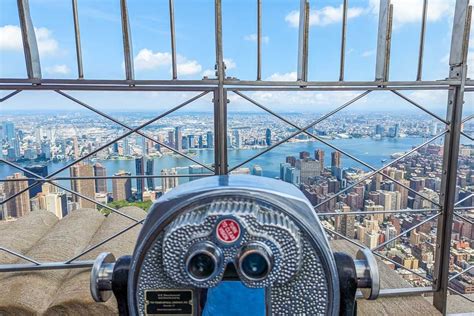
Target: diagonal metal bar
43, 179
104, 241
375, 253
461, 273
467, 136
371, 174
464, 218
355, 213
464, 199
404, 97
8, 96
470, 117
405, 232
332, 146
302, 130
19, 255
105, 146
129, 128
461, 294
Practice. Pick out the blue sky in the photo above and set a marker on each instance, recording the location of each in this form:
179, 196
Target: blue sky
103, 55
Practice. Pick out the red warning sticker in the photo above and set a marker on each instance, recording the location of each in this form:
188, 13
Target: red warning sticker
228, 231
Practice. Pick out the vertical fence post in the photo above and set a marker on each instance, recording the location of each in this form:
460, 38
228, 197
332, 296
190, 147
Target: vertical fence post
30, 46
383, 41
457, 71
220, 99
77, 37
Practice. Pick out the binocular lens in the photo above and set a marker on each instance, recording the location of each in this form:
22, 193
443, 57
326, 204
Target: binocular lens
201, 266
255, 261
255, 266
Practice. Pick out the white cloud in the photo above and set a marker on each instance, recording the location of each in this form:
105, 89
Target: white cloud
146, 59
325, 16
10, 39
188, 67
410, 11
289, 76
253, 38
368, 53
58, 69
230, 63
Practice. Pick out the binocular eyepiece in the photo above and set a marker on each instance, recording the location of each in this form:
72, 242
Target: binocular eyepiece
260, 232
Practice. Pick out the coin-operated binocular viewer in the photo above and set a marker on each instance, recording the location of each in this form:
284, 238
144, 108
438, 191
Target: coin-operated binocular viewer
259, 231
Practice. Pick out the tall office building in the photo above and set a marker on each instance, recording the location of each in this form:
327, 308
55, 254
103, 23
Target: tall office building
100, 184
268, 137
150, 166
178, 138
53, 204
289, 174
140, 171
191, 141
16, 146
390, 232
8, 131
319, 156
210, 139
115, 148
20, 205
237, 138
308, 168
126, 147
346, 223
41, 170
379, 130
200, 141
85, 187
122, 188
171, 141
336, 164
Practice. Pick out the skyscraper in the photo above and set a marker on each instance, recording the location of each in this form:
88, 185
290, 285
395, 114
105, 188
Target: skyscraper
100, 184
190, 141
122, 188
75, 145
126, 147
140, 171
171, 139
336, 164
150, 182
20, 205
41, 170
178, 138
16, 146
46, 149
268, 137
8, 131
237, 138
319, 156
210, 140
85, 187
309, 168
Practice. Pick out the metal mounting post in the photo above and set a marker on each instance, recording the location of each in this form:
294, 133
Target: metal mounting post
458, 69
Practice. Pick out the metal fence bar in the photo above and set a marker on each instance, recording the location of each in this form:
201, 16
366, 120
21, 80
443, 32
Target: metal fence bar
45, 266
371, 174
19, 255
174, 67
464, 218
460, 294
375, 253
332, 146
30, 46
343, 40
467, 136
458, 70
356, 213
420, 107
126, 229
220, 99
8, 96
422, 40
106, 145
302, 73
259, 39
115, 177
127, 41
77, 36
303, 129
405, 232
470, 117
461, 273
464, 199
176, 151
382, 41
